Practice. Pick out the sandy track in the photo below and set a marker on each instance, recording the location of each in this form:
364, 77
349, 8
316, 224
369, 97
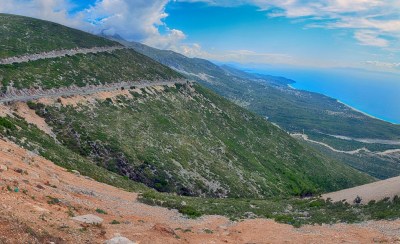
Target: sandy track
139, 222
373, 191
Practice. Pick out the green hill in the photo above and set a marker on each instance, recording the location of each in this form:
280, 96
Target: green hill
85, 69
183, 139
22, 35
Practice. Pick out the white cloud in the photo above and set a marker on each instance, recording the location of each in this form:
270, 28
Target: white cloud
52, 10
137, 20
378, 16
381, 64
374, 22
370, 38
134, 20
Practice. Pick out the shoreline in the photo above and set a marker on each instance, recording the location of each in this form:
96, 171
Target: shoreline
347, 105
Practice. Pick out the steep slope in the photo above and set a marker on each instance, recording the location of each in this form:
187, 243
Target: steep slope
322, 118
186, 139
178, 137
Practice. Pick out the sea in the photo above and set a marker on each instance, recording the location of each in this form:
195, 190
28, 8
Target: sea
374, 93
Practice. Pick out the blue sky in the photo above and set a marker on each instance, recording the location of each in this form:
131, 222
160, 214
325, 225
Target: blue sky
322, 33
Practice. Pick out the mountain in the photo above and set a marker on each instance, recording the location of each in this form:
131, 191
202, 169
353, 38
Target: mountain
358, 140
119, 110
92, 137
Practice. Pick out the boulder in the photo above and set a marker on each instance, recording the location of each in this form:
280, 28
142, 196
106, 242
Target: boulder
88, 219
119, 240
3, 168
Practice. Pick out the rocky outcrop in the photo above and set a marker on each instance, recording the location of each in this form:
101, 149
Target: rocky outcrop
89, 219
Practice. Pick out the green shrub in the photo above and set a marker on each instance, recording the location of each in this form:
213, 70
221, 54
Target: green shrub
101, 211
115, 222
6, 124
190, 212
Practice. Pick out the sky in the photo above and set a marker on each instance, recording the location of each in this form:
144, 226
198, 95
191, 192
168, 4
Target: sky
361, 34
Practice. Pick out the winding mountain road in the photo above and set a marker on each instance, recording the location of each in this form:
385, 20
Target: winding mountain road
33, 94
28, 95
57, 54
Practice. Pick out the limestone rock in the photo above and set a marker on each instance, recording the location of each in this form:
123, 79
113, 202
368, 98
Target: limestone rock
119, 240
88, 219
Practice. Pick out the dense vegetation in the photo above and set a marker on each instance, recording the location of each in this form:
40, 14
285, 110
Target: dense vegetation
190, 141
22, 35
81, 70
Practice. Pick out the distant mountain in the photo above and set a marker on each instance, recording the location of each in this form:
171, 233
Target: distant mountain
322, 118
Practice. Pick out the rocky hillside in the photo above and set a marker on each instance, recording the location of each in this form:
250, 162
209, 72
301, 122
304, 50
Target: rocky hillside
179, 138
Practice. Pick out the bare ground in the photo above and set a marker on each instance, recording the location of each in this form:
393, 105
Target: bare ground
373, 191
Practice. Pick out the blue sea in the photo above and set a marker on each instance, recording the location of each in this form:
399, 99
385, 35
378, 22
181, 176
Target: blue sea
377, 94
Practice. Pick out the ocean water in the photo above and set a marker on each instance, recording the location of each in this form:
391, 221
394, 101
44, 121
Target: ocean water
377, 94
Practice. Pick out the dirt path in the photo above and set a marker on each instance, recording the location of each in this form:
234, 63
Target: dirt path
57, 54
373, 191
32, 214
305, 137
353, 152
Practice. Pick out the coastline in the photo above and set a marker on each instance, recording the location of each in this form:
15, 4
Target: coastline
349, 106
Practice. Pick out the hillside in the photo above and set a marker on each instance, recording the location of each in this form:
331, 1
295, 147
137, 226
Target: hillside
40, 200
185, 139
269, 96
179, 137
321, 118
22, 35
